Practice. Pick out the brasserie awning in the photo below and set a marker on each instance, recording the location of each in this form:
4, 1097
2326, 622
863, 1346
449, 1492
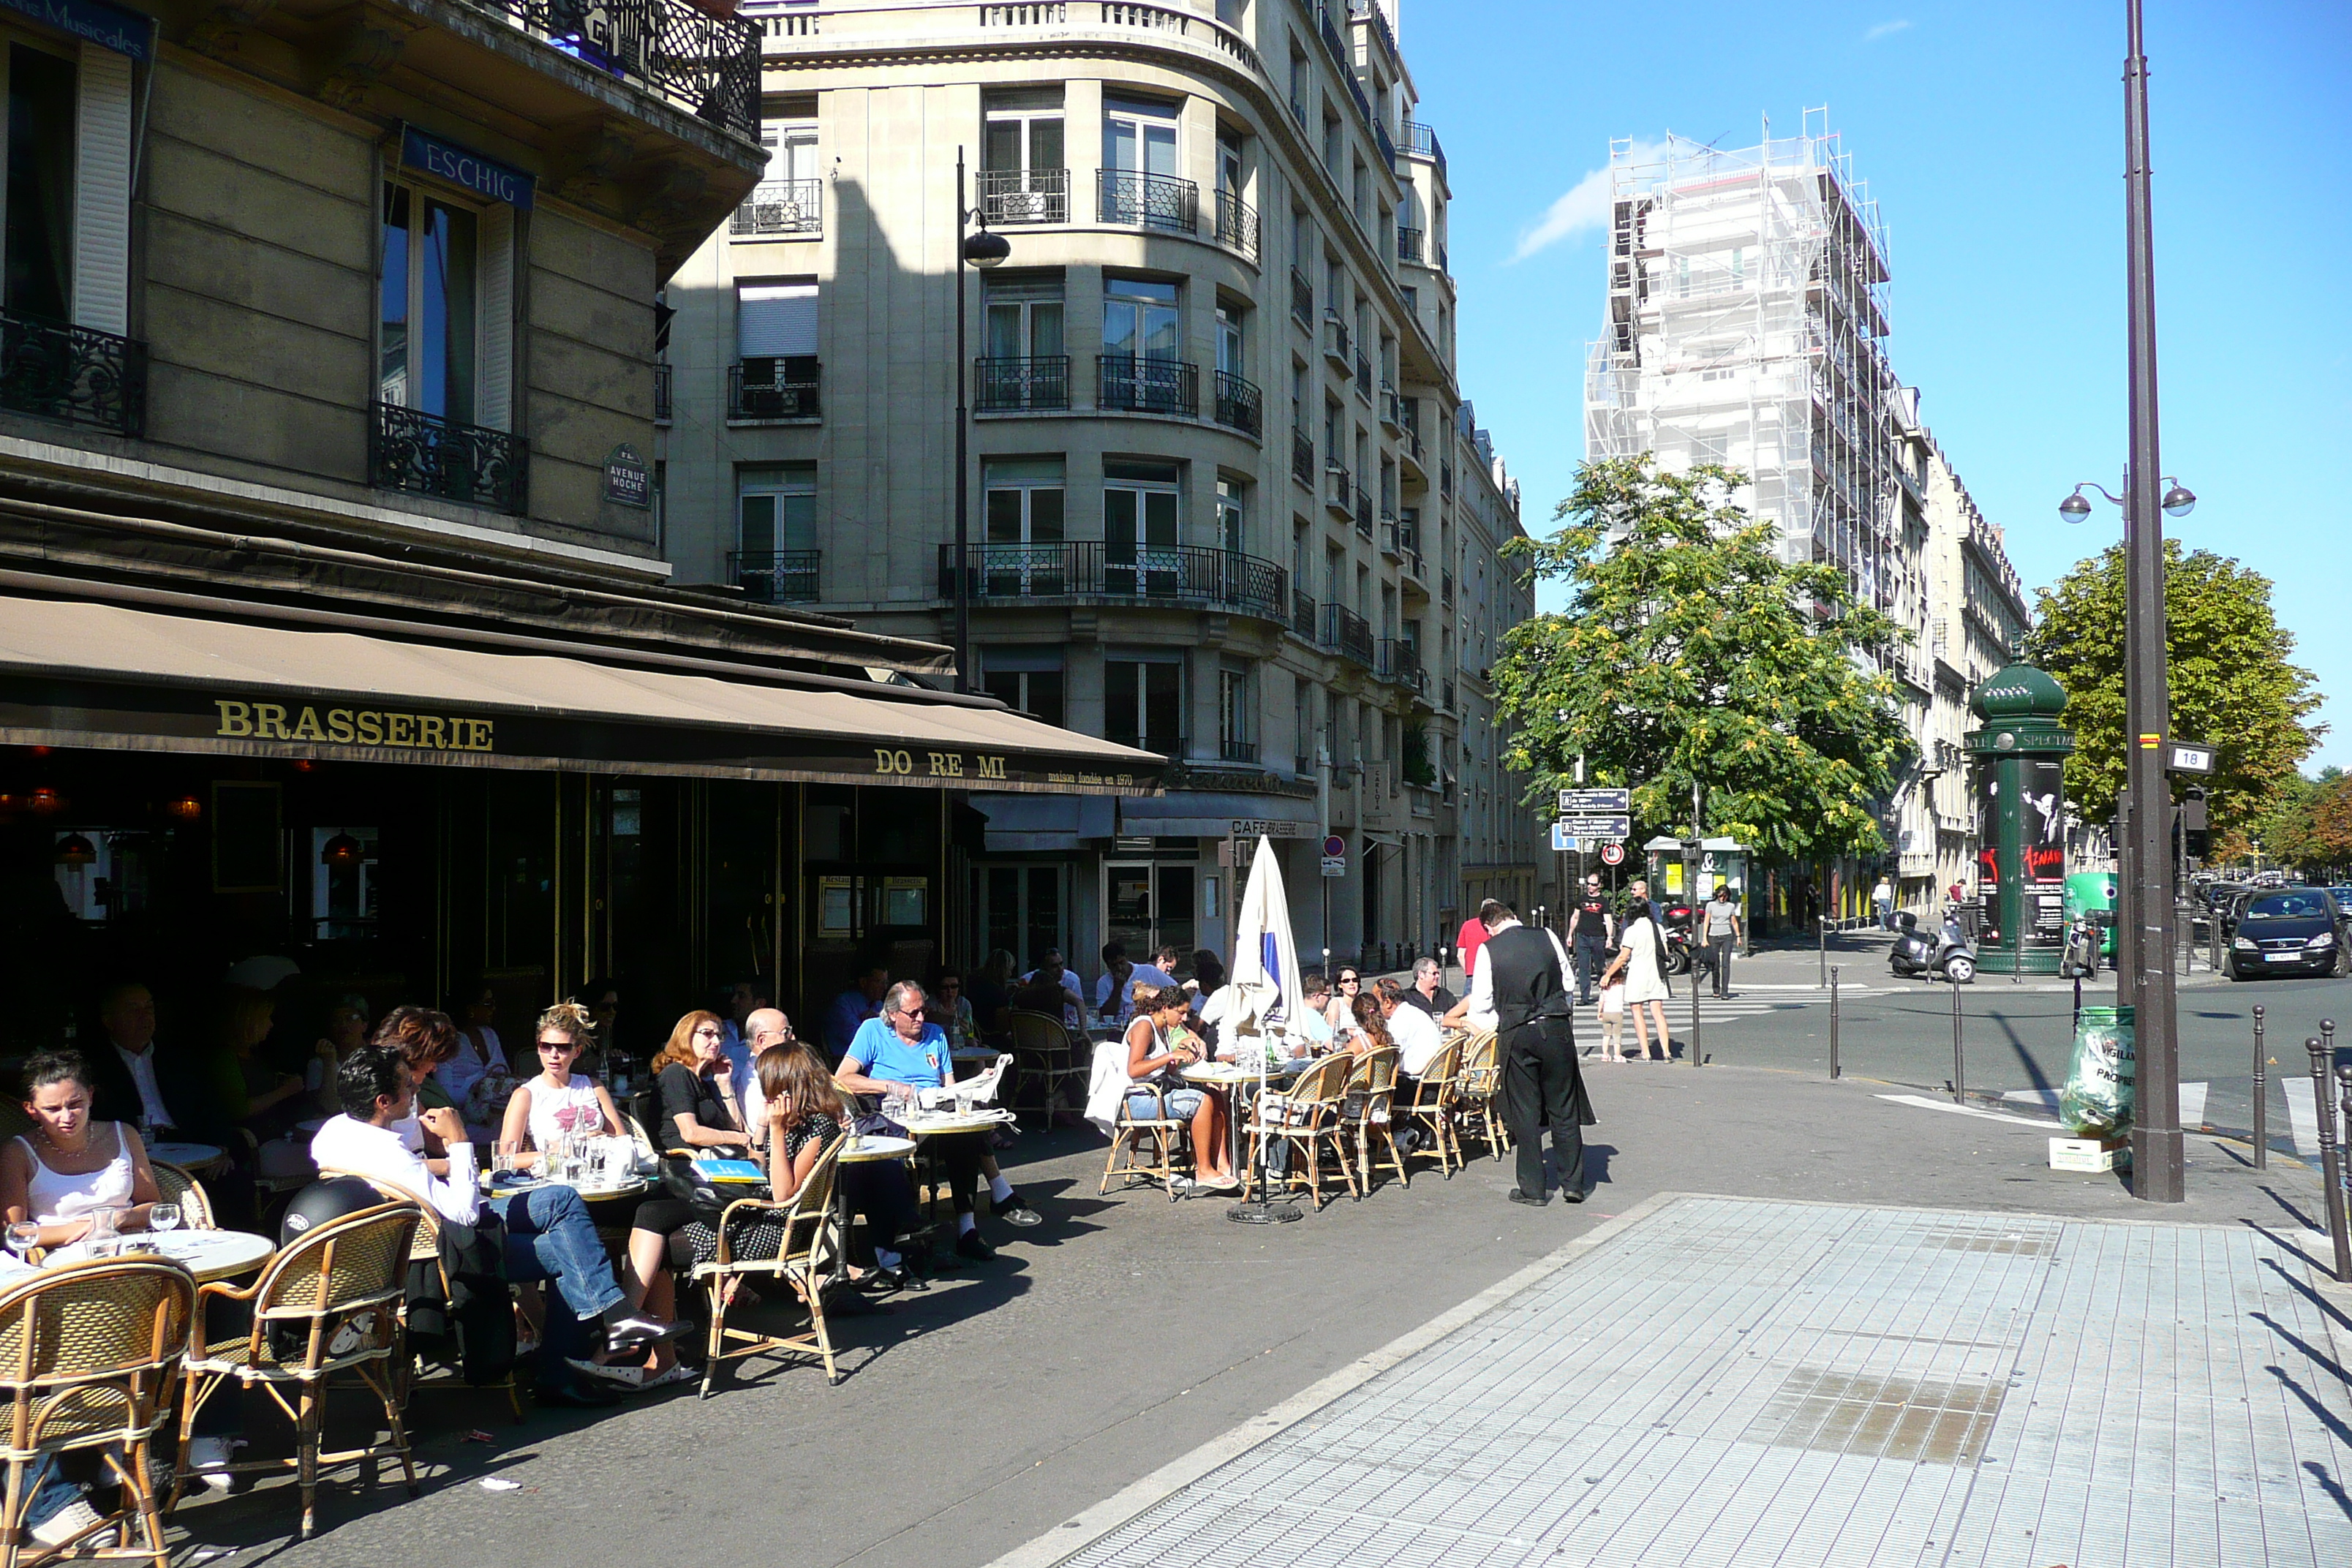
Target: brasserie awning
78, 672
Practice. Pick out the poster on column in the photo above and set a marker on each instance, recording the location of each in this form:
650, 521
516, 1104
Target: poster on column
1988, 853
2044, 838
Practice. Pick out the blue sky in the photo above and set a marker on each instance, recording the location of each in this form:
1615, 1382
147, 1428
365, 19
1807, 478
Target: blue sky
1991, 135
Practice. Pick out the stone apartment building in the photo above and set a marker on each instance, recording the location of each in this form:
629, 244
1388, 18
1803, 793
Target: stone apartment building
333, 620
1224, 501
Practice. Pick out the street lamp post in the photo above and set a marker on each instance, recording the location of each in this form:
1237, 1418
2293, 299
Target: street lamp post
983, 250
2147, 985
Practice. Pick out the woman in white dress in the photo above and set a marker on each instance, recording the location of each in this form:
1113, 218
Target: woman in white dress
1639, 945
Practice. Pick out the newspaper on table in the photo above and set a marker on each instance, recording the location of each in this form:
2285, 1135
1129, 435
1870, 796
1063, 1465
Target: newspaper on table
980, 1089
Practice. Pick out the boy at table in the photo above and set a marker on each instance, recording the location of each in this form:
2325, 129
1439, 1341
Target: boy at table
548, 1234
898, 1052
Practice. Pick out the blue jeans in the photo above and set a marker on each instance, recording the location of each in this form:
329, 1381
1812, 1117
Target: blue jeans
47, 1490
1183, 1104
551, 1236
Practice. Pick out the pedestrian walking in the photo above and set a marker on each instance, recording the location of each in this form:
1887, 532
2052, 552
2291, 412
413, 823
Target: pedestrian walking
1722, 935
1523, 978
1641, 963
1590, 925
1882, 902
1473, 936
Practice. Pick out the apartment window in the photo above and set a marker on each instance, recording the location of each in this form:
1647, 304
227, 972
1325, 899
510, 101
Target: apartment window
40, 203
1232, 176
1024, 170
1237, 715
1298, 84
1231, 515
1411, 300
792, 150
1360, 184
65, 255
1143, 701
1233, 14
1141, 508
1025, 360
1331, 142
444, 307
1140, 317
1023, 502
1138, 167
775, 522
776, 345
1028, 679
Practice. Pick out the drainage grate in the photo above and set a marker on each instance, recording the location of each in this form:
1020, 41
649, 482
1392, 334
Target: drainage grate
2009, 1241
1830, 1412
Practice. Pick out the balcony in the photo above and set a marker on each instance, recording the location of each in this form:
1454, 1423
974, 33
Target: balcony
1363, 511
1400, 661
791, 207
1302, 299
662, 398
783, 388
706, 65
1335, 342
1011, 196
1445, 586
1239, 407
1391, 405
1175, 748
1302, 457
775, 576
1408, 244
426, 455
76, 374
1348, 633
1142, 384
1421, 142
1237, 225
1395, 538
1337, 492
1231, 751
1150, 201
1302, 616
1363, 376
1180, 576
1021, 386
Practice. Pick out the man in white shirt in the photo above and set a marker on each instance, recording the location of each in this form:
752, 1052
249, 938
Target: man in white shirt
1413, 1030
128, 1090
548, 1232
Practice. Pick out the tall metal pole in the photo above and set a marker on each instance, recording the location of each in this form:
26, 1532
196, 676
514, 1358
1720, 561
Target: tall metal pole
2158, 1153
964, 463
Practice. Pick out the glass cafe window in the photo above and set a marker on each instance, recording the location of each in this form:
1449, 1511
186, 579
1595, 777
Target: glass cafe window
426, 334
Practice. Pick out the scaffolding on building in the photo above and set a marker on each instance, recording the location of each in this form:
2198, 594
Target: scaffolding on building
1746, 318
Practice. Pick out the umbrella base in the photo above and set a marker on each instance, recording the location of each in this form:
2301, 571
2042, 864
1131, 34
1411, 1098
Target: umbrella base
1263, 1213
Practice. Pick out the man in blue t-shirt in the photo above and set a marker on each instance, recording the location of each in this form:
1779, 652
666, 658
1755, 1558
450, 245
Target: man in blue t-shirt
899, 1047
855, 1008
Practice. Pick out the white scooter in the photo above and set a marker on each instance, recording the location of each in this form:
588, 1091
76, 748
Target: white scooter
1950, 958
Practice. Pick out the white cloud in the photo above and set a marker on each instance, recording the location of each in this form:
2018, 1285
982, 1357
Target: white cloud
1883, 29
1584, 206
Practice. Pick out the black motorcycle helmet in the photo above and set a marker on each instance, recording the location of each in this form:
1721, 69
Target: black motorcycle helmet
320, 1202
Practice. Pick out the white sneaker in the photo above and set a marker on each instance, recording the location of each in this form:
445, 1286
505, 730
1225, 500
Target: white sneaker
65, 1523
209, 1458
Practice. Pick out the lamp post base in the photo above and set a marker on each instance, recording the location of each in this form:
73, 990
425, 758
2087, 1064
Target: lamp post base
2158, 1156
1263, 1212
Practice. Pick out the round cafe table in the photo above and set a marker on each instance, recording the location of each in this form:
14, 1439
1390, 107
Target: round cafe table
1240, 1079
209, 1254
197, 1159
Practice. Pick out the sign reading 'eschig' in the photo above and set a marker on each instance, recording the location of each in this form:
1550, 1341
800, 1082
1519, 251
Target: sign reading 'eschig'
353, 727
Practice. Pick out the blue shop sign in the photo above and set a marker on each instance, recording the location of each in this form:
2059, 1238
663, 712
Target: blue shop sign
94, 21
460, 166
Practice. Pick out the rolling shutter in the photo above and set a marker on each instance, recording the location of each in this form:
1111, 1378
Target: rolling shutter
776, 321
495, 406
101, 260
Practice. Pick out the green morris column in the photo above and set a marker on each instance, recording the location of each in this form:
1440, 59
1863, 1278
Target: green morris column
2019, 757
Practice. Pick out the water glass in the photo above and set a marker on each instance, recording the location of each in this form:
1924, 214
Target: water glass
962, 1100
104, 1226
163, 1217
22, 1237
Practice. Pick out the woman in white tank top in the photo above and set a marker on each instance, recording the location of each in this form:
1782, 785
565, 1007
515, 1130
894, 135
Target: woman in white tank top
558, 1101
68, 1167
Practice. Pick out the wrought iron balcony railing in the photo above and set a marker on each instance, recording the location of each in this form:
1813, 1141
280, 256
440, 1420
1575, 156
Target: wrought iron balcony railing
1421, 142
774, 388
1338, 493
1186, 576
1400, 661
706, 65
1147, 385
1239, 407
1363, 376
1175, 748
1391, 406
424, 454
781, 206
1007, 385
1302, 456
1302, 616
1010, 196
1237, 225
775, 576
1150, 201
662, 394
1345, 632
1230, 750
1302, 298
1363, 511
1335, 337
1408, 244
79, 374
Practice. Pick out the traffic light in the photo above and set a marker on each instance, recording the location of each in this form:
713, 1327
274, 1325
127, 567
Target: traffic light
2195, 838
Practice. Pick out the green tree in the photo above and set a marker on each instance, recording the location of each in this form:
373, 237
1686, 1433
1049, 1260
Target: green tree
1690, 654
2230, 681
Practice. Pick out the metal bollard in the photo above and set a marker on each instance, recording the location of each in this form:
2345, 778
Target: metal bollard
2331, 1165
1825, 949
1833, 1021
2261, 1100
1959, 1063
1698, 1057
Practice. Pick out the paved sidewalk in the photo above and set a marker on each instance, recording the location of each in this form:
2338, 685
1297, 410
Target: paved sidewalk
1721, 1382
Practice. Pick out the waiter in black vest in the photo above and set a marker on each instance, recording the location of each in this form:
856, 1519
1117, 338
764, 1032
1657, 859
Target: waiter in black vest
1523, 981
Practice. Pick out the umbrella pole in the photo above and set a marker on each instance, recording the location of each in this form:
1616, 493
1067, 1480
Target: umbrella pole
1262, 1210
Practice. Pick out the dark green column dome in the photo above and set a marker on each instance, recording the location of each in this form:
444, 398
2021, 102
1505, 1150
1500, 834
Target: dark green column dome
2018, 691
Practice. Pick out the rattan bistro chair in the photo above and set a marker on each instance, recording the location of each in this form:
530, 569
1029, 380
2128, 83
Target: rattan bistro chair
1431, 1107
1476, 1089
805, 1261
1307, 1117
1371, 1087
1043, 1053
1165, 1133
426, 1249
179, 1187
329, 1302
89, 1354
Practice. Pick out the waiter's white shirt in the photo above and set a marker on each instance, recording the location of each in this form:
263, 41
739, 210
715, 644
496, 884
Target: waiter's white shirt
1417, 1039
1482, 979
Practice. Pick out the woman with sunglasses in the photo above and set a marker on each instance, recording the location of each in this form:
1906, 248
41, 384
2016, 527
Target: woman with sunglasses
1341, 1013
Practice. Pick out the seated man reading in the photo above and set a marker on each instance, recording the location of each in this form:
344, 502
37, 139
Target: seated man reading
895, 1054
548, 1232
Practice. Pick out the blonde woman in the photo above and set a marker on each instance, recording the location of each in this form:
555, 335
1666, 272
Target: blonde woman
1639, 963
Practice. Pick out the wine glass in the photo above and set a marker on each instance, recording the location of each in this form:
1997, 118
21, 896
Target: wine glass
23, 1236
163, 1217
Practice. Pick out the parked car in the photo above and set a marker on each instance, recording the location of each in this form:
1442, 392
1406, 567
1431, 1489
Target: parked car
2287, 930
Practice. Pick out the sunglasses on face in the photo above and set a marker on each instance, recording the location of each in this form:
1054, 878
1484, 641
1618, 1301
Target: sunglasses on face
559, 1045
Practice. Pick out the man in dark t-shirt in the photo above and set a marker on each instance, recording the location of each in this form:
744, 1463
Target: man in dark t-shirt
1589, 932
1428, 991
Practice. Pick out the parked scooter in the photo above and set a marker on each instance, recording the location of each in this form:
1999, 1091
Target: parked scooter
2083, 938
1949, 957
1675, 920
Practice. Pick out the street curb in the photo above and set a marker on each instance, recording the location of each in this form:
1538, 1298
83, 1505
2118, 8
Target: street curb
1078, 1534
